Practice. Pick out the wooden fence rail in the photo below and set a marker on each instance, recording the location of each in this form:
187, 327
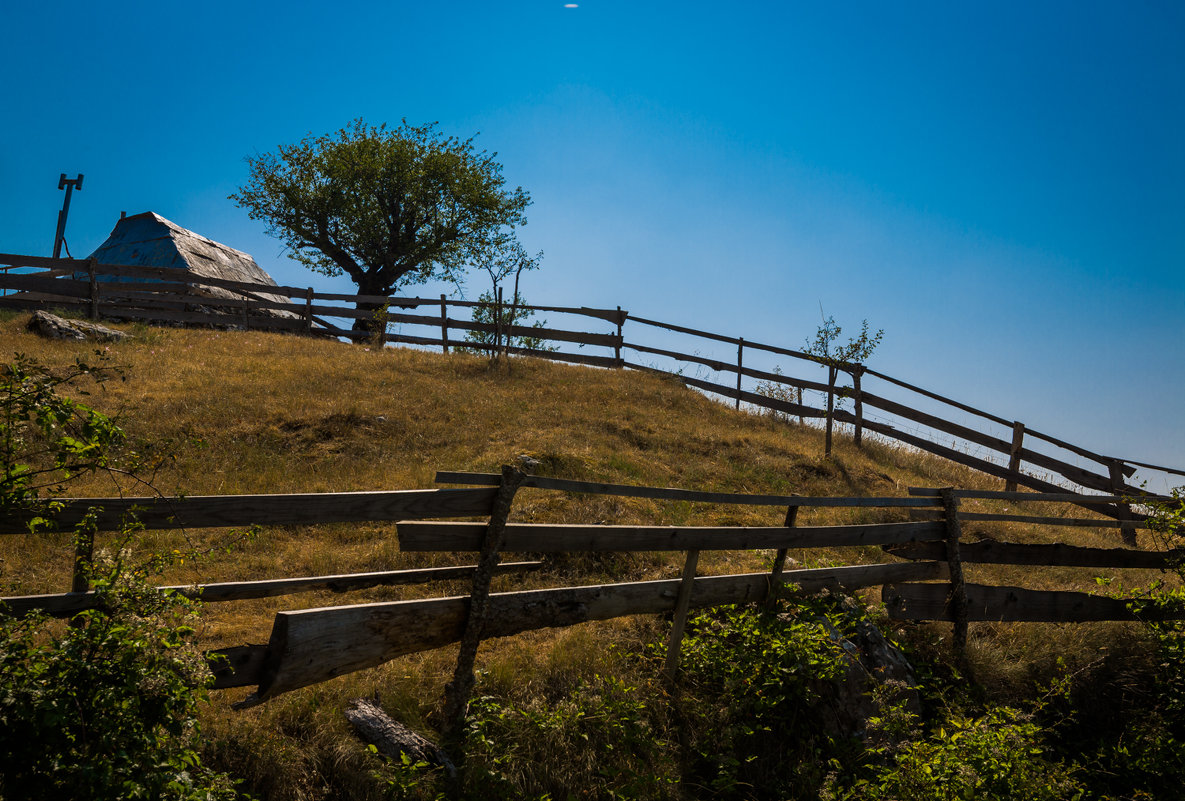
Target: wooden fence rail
157, 294
313, 645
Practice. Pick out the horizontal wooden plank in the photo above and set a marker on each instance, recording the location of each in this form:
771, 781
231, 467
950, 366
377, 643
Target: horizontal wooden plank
49, 286
995, 552
550, 334
1012, 604
548, 538
71, 603
315, 645
1051, 497
935, 396
797, 354
674, 494
753, 398
1080, 522
212, 511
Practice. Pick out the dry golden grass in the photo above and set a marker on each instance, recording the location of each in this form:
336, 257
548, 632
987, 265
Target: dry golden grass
262, 413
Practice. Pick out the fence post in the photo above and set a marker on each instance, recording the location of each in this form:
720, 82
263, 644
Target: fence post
859, 435
1123, 511
775, 576
308, 310
443, 323
1018, 438
958, 589
90, 268
830, 410
498, 322
740, 364
682, 604
458, 691
801, 419
617, 347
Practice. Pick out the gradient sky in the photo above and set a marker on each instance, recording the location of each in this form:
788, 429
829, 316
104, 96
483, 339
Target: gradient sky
999, 186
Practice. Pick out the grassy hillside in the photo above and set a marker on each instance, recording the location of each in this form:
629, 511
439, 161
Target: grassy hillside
258, 413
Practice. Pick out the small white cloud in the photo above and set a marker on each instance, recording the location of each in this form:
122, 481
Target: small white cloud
571, 5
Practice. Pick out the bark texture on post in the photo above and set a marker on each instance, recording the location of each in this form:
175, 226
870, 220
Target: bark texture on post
682, 604
859, 435
775, 576
1118, 487
958, 592
830, 410
461, 687
1018, 438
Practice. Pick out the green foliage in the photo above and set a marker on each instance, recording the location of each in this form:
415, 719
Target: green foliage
385, 206
998, 756
752, 679
47, 439
826, 351
512, 313
105, 708
598, 741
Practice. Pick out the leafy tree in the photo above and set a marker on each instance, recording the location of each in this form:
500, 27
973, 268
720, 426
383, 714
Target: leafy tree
384, 206
826, 350
503, 260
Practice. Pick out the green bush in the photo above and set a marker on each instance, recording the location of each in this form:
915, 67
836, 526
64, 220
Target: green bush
104, 707
1000, 755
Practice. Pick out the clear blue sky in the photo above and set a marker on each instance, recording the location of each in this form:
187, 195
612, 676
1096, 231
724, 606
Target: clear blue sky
999, 186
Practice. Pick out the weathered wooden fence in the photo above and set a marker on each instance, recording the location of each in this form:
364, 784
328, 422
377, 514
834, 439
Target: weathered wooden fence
313, 645
162, 295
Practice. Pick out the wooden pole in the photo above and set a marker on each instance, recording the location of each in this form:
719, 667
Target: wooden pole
1018, 438
958, 590
443, 323
498, 323
740, 364
859, 371
90, 268
459, 690
308, 310
830, 410
775, 576
682, 604
617, 347
801, 419
1123, 511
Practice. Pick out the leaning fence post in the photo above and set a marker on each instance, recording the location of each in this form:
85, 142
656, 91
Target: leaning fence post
682, 604
459, 690
443, 324
958, 589
90, 269
740, 364
858, 436
620, 340
775, 576
1124, 511
830, 410
1018, 438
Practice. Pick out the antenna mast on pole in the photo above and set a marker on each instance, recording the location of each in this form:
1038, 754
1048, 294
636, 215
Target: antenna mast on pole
69, 184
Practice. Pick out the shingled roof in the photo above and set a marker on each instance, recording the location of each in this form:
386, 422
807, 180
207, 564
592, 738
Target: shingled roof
150, 240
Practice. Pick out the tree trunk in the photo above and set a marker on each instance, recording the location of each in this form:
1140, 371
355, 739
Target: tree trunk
372, 323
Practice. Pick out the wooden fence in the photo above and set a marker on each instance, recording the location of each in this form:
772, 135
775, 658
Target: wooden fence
161, 295
924, 582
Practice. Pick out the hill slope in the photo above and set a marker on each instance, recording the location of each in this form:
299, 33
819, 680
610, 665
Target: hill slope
258, 413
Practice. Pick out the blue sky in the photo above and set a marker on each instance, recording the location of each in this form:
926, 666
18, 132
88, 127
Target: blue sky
999, 186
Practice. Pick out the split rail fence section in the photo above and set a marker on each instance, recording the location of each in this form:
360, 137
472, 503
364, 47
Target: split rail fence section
313, 645
157, 294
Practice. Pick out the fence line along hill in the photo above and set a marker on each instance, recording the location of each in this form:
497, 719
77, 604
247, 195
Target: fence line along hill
1014, 453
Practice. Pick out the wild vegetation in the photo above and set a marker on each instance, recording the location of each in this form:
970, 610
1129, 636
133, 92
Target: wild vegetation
1032, 711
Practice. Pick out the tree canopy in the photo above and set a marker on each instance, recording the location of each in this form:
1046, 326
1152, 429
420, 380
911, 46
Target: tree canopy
385, 206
